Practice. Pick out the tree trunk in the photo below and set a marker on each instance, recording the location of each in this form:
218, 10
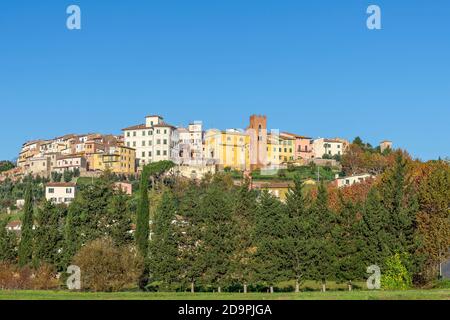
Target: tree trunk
271, 289
219, 290
192, 287
324, 286
297, 286
350, 285
245, 288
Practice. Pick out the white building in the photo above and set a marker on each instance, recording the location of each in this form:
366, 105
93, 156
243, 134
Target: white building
70, 163
154, 141
351, 180
191, 143
60, 192
327, 147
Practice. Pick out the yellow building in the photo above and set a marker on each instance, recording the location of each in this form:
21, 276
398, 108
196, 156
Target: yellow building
120, 160
280, 149
228, 149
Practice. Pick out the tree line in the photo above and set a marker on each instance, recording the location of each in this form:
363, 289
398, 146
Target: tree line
212, 235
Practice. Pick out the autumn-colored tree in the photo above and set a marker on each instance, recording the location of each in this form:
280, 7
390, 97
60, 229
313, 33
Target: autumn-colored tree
433, 220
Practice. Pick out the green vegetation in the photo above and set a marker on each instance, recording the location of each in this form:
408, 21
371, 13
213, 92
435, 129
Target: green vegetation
438, 294
209, 235
6, 165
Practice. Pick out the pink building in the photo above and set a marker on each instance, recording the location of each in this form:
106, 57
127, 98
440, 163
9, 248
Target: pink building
127, 188
303, 146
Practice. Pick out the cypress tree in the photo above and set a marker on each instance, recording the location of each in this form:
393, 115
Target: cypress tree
143, 216
26, 240
269, 231
164, 252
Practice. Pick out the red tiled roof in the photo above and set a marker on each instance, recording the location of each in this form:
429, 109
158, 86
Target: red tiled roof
60, 184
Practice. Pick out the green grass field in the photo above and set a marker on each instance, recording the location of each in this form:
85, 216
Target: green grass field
437, 294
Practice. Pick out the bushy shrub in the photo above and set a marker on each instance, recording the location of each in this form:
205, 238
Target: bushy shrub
45, 278
396, 276
12, 277
106, 267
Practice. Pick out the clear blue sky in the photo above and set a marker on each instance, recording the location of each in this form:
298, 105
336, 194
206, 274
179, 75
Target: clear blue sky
312, 66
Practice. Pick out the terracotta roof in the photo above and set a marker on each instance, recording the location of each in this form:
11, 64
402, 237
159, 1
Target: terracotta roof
60, 184
296, 135
136, 127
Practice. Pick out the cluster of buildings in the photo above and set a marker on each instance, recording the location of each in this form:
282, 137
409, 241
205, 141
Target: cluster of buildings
194, 149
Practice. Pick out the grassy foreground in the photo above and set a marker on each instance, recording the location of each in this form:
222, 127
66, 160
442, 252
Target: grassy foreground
437, 294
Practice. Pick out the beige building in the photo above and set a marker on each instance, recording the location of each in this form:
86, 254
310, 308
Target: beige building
59, 193
384, 145
351, 180
70, 163
329, 147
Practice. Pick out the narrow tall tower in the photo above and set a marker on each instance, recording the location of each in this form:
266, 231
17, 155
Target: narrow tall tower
258, 141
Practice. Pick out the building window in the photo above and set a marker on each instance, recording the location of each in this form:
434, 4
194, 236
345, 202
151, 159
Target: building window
51, 190
158, 131
158, 141
150, 154
165, 141
143, 133
68, 190
158, 153
134, 143
143, 143
165, 153
143, 154
165, 131
128, 134
134, 133
150, 133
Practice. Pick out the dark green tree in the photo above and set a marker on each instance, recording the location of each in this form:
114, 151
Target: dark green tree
244, 216
348, 265
26, 240
190, 242
49, 234
143, 215
323, 246
218, 236
296, 247
120, 219
164, 250
8, 244
269, 231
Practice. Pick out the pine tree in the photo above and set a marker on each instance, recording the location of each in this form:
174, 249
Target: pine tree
26, 241
192, 265
218, 236
244, 215
164, 251
296, 244
8, 243
348, 265
375, 248
323, 247
269, 231
48, 235
400, 201
119, 220
143, 215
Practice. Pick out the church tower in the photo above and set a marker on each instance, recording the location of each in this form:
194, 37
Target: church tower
258, 141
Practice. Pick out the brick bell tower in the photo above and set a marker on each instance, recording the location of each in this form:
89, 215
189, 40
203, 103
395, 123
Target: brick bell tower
258, 141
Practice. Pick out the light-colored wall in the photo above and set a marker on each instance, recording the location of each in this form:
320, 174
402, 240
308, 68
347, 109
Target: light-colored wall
64, 194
